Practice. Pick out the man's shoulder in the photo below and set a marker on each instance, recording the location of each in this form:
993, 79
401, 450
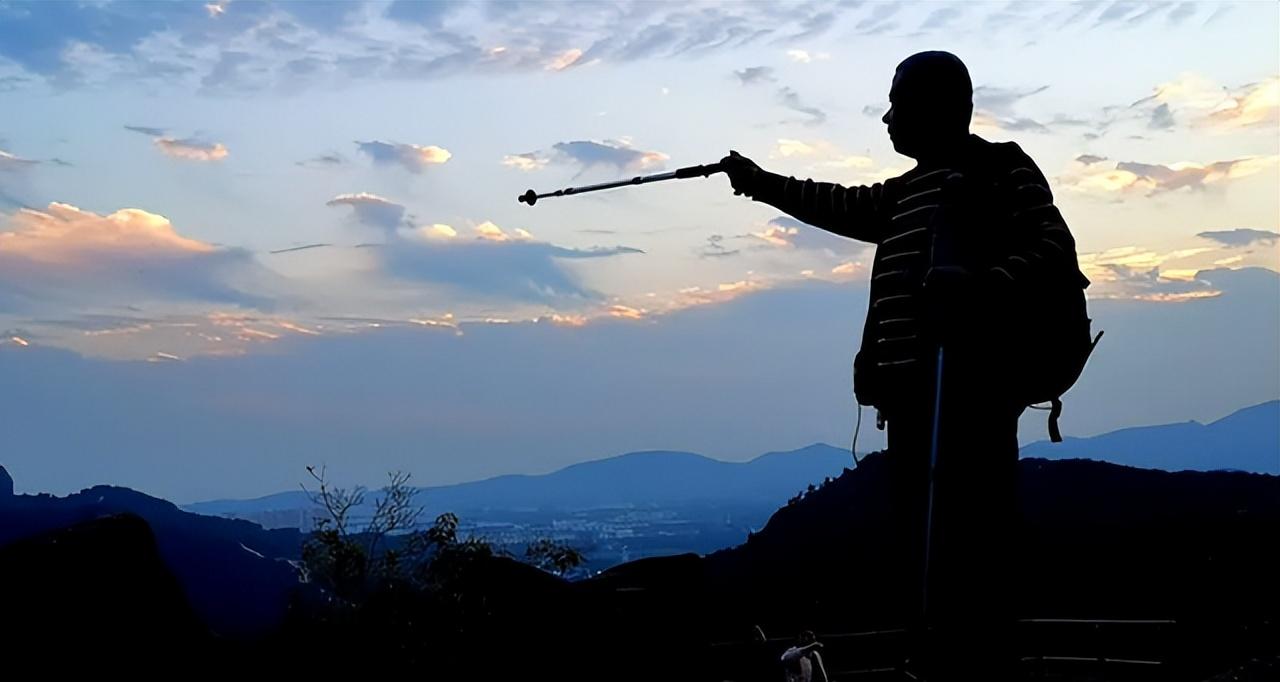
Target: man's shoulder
1001, 154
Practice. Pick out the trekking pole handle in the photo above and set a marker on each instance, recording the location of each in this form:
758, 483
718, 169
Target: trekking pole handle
699, 171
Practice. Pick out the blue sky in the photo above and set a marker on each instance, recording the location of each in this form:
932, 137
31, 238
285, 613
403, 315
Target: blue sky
242, 226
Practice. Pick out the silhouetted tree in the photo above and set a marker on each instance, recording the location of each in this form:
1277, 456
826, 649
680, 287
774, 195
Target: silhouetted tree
345, 561
390, 553
554, 557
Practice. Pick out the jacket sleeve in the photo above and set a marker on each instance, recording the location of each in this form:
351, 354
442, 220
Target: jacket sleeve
855, 212
1041, 242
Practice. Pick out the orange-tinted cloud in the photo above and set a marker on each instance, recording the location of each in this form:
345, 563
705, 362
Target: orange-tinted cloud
77, 257
1131, 177
191, 149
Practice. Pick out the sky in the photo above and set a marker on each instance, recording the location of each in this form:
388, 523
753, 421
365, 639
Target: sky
238, 238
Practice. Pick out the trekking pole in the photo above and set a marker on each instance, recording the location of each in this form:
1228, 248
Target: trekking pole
942, 253
531, 197
933, 467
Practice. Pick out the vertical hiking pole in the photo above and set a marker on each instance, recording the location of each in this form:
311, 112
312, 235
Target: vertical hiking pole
942, 254
933, 468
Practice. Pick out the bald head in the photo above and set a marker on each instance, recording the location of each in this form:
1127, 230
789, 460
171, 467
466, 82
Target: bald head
931, 102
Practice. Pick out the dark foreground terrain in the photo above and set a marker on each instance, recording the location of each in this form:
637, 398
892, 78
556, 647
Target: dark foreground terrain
1124, 574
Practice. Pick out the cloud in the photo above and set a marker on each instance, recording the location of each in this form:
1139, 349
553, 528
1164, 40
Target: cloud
12, 83
1252, 105
40, 36
229, 74
610, 153
1182, 12
430, 14
1142, 273
77, 258
788, 148
1116, 12
216, 9
1166, 178
330, 159
246, 47
1090, 159
692, 297
825, 153
811, 26
877, 20
1208, 105
790, 99
983, 119
1242, 236
940, 18
799, 56
996, 108
303, 405
1002, 101
587, 154
753, 75
564, 60
1131, 177
873, 110
147, 130
1161, 118
191, 149
529, 161
715, 248
372, 210
413, 158
849, 161
11, 162
1125, 282
1137, 273
627, 312
786, 232
492, 264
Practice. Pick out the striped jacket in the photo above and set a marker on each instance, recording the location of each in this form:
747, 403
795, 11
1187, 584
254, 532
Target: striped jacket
1022, 237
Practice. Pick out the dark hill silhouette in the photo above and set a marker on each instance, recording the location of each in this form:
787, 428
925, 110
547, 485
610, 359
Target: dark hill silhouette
1098, 541
653, 478
95, 594
1246, 440
1110, 539
233, 572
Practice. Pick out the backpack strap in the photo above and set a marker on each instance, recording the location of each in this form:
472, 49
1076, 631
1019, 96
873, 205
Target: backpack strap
1055, 405
1055, 411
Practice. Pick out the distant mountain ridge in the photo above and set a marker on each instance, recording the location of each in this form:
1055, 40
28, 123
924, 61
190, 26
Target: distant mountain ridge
1245, 440
648, 478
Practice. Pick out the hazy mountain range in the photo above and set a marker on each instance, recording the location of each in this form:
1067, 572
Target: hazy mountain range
237, 575
1247, 440
649, 479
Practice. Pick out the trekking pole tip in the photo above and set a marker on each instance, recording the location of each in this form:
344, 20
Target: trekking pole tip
529, 197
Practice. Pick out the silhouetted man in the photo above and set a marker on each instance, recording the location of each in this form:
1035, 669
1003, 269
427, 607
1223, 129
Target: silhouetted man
1004, 234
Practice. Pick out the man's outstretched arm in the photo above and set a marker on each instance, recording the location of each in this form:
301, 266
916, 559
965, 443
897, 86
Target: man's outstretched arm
853, 212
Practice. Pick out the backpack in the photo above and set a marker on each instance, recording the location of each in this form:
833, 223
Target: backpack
1042, 334
1050, 346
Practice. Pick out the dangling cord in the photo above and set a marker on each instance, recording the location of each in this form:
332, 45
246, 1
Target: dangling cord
853, 449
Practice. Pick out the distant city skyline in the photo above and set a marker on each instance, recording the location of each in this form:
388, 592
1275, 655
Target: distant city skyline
239, 237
